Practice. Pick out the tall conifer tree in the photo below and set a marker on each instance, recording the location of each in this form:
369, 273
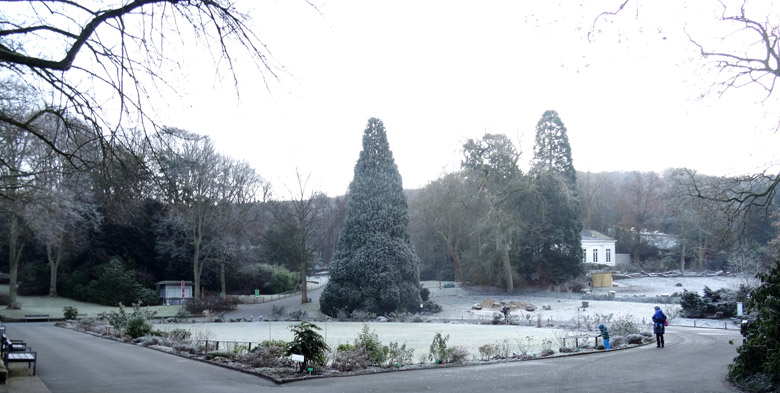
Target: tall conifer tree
553, 249
375, 267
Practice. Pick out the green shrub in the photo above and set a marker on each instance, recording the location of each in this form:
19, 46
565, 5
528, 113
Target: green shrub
431, 307
758, 359
217, 305
120, 319
277, 312
283, 280
398, 354
439, 352
138, 327
272, 343
721, 303
220, 354
70, 312
307, 342
424, 293
109, 284
298, 315
361, 315
369, 342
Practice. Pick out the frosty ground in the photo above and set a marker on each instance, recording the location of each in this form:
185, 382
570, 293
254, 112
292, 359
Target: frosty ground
472, 328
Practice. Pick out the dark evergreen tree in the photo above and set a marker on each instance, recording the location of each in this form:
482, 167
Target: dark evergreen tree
759, 357
375, 267
552, 151
552, 251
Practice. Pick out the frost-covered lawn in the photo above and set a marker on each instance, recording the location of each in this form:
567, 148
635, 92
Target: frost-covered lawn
456, 304
415, 335
54, 305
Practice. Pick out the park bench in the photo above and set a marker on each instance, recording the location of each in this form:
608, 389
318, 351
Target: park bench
17, 351
577, 339
36, 317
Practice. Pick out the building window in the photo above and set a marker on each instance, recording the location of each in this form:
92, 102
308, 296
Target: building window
595, 255
609, 255
584, 255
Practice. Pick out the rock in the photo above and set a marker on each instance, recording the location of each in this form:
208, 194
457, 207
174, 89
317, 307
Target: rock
381, 319
476, 306
679, 284
530, 308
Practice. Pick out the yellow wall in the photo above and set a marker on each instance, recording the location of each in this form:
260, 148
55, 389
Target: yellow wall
602, 279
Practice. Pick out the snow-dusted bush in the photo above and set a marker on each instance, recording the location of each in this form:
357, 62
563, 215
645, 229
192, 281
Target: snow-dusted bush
147, 341
179, 335
349, 358
264, 356
220, 354
634, 338
186, 347
458, 355
487, 351
547, 352
623, 326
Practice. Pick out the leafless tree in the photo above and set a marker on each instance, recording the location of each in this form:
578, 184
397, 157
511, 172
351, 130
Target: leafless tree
98, 63
300, 221
641, 197
747, 55
442, 206
203, 189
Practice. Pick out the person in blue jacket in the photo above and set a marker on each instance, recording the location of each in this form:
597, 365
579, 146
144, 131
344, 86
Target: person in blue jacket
605, 335
659, 327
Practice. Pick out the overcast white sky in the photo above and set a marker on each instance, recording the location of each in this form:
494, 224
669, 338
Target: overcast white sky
440, 72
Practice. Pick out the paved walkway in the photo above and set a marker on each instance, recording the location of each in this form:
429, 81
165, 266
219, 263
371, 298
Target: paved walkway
694, 360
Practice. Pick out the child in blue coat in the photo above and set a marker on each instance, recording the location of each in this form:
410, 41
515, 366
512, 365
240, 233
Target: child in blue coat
659, 327
605, 335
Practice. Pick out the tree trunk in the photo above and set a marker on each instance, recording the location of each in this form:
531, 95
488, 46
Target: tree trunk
196, 268
637, 244
457, 266
304, 289
54, 263
682, 257
510, 286
701, 252
13, 261
222, 286
506, 265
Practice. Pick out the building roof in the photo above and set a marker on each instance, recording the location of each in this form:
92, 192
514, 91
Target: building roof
173, 282
589, 234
